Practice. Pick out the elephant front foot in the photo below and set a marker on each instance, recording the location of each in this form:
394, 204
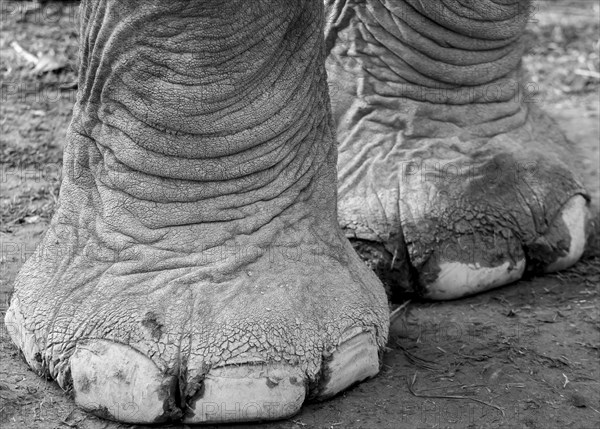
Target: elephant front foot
458, 214
194, 270
240, 332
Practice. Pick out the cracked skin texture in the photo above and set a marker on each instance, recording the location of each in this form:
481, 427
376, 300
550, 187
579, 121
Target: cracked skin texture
196, 243
444, 156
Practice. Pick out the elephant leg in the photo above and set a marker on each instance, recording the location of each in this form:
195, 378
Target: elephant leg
194, 270
446, 165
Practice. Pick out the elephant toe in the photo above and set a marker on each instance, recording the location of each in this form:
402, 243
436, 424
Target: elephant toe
466, 264
457, 279
117, 382
564, 243
248, 392
355, 359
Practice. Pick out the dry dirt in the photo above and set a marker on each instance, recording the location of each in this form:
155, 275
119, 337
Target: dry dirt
523, 356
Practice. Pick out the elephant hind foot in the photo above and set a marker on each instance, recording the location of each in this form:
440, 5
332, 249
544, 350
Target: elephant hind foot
465, 215
445, 159
461, 268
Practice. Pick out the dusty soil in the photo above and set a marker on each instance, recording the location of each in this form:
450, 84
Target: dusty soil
524, 356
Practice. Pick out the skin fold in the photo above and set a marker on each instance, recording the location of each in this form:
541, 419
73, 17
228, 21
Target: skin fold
195, 269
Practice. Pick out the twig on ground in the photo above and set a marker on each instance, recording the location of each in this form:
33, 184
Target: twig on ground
421, 395
23, 53
44, 63
587, 73
421, 363
394, 315
66, 423
477, 358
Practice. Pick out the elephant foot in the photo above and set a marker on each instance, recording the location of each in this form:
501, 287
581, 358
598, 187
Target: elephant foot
460, 215
448, 171
245, 333
194, 270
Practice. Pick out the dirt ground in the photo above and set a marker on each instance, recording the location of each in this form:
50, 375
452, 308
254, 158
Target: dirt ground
523, 356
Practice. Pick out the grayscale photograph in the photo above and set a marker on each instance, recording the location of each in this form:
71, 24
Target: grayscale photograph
298, 214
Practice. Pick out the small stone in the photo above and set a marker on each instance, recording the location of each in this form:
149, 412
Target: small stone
578, 400
31, 219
